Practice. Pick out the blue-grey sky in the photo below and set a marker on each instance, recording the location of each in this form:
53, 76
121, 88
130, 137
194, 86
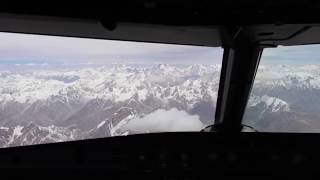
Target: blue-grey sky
29, 49
38, 49
298, 55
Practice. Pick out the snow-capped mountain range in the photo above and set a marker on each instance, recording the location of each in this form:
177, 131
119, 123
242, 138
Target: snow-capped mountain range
46, 106
91, 99
285, 98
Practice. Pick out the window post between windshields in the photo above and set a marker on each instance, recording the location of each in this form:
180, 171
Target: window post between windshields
240, 62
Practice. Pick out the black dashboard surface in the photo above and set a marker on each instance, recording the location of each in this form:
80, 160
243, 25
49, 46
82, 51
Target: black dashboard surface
178, 153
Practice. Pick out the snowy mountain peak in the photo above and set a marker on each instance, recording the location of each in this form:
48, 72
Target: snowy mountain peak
163, 66
272, 103
120, 68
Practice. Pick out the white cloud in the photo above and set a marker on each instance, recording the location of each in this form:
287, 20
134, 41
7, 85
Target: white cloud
165, 121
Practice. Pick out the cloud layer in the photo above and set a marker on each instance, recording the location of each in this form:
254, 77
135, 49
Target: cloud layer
165, 121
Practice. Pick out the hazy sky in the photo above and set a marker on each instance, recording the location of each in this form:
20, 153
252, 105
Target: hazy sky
24, 48
37, 49
299, 55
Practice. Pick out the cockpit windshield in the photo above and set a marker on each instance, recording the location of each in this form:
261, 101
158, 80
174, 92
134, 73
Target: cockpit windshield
55, 89
286, 92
